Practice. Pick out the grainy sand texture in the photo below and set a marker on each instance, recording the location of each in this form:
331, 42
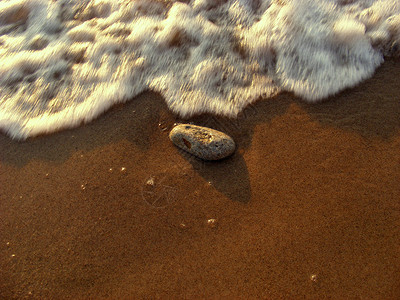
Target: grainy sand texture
307, 207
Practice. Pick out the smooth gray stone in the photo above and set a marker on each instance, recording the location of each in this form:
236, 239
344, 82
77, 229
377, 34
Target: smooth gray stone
203, 142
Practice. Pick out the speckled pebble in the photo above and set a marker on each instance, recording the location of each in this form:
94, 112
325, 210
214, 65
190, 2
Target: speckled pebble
203, 142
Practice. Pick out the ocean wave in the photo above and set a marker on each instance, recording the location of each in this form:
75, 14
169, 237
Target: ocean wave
65, 62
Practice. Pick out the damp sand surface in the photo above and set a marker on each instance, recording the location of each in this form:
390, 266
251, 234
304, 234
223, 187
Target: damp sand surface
308, 206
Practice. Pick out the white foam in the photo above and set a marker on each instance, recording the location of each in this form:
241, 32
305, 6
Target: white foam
65, 62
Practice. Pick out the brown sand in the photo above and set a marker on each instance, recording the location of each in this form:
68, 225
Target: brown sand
309, 205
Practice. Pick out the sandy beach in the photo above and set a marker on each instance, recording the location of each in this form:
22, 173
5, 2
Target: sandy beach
307, 207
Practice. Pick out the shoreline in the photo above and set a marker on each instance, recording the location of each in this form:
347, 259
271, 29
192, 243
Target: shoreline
306, 207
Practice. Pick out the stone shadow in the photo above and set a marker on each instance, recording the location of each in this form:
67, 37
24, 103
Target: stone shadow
230, 176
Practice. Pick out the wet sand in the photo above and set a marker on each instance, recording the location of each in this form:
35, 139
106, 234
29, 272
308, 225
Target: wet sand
308, 206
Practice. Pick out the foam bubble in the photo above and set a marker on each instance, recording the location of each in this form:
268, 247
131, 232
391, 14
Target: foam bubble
65, 62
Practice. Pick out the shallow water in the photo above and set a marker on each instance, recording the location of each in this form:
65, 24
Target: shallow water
65, 62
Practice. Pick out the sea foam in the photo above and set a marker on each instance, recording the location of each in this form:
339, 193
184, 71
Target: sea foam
65, 62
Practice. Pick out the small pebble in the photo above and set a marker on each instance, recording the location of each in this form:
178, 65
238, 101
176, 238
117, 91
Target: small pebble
150, 182
212, 223
313, 277
203, 142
